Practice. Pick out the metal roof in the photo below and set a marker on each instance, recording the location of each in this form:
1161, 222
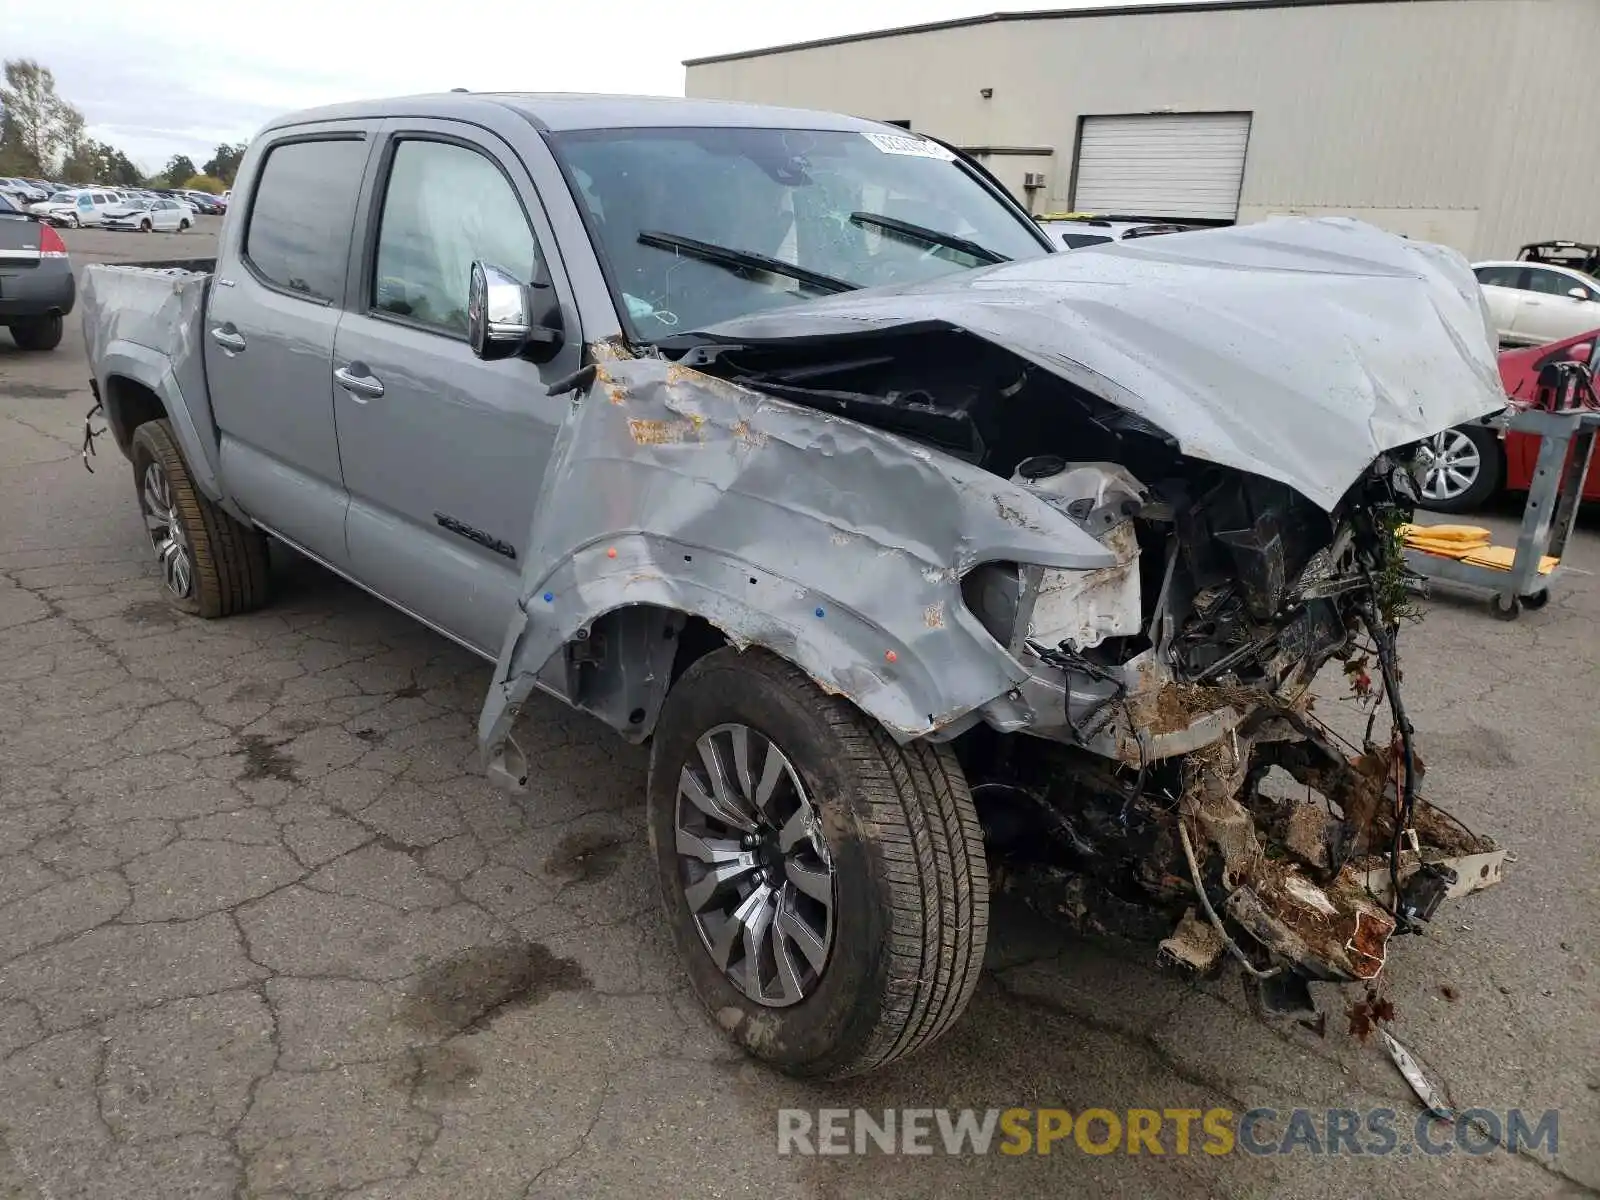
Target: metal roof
1044, 14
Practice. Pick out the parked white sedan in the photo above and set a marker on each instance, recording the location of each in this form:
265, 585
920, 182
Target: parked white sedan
146, 215
1534, 303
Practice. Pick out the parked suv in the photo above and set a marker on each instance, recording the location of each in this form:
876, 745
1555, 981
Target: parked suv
781, 441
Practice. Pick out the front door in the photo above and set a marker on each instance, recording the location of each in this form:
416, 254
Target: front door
1547, 311
443, 452
269, 326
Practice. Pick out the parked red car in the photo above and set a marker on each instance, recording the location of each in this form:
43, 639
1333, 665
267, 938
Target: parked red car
1473, 462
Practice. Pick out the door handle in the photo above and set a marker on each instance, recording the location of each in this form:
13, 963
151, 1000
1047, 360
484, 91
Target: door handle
228, 338
358, 380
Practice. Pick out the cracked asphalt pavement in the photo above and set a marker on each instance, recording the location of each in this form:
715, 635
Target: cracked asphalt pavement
266, 932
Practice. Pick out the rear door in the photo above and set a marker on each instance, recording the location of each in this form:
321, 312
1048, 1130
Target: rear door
443, 452
1549, 311
273, 310
1502, 285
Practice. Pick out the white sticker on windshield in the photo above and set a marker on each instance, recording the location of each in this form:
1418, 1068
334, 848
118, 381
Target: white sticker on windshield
908, 143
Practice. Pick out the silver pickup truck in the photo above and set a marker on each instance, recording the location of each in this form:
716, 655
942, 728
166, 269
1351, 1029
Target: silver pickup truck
783, 441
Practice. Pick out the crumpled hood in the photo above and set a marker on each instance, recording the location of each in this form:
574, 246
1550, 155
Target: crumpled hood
1297, 349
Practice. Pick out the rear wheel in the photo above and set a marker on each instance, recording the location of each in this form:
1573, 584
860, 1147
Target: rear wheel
826, 887
183, 225
211, 565
37, 333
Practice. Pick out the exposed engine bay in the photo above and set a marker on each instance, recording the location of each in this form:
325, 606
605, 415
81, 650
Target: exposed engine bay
1172, 687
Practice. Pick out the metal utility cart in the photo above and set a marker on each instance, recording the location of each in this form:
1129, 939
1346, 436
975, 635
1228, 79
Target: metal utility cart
1566, 427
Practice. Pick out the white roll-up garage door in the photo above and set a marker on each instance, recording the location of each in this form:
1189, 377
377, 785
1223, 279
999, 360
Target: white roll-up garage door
1162, 164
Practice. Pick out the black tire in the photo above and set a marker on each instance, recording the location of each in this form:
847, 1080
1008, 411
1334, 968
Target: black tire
228, 560
37, 333
74, 221
145, 227
1505, 608
1536, 600
1491, 472
910, 880
183, 225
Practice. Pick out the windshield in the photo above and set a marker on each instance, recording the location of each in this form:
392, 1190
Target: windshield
64, 197
807, 198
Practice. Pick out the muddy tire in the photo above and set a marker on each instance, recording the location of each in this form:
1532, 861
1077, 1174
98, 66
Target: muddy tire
37, 333
211, 565
852, 866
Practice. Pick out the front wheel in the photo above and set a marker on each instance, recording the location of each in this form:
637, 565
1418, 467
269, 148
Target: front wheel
74, 221
211, 565
144, 226
825, 886
1464, 468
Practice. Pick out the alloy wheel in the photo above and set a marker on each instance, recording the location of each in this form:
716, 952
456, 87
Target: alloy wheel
1453, 464
756, 873
166, 533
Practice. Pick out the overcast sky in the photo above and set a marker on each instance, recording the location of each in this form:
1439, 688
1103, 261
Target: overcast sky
160, 79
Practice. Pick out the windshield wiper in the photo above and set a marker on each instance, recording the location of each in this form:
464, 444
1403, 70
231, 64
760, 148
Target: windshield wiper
742, 260
928, 237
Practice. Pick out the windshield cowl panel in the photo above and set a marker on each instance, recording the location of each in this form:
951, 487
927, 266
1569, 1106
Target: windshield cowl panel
764, 218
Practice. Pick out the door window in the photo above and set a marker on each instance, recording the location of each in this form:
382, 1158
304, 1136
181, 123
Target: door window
1550, 283
298, 238
1499, 276
445, 206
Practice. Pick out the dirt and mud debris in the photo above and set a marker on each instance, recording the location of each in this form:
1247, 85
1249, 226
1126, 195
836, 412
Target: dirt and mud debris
1448, 992
470, 988
1305, 832
1367, 1013
263, 759
411, 691
586, 855
1178, 704
1437, 830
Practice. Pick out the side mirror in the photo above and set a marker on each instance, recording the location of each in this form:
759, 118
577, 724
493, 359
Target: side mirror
1578, 293
506, 317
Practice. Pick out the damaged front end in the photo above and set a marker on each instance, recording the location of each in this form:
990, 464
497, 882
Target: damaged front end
1103, 547
1192, 777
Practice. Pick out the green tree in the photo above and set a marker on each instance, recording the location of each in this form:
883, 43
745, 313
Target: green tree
205, 183
90, 161
224, 164
37, 127
179, 169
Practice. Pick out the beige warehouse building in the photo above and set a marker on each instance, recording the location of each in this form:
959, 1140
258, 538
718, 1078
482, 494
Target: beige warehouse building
1475, 123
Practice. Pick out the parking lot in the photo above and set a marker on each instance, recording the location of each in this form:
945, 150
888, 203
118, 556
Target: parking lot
266, 931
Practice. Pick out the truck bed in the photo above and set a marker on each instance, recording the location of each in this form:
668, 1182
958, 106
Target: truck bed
149, 309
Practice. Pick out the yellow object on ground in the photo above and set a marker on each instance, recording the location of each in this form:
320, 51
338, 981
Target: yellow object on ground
1447, 541
1501, 558
1455, 535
